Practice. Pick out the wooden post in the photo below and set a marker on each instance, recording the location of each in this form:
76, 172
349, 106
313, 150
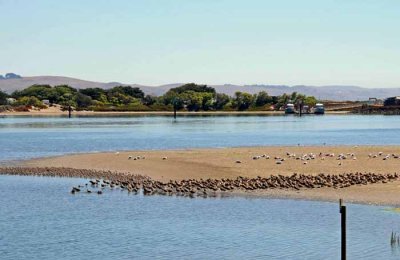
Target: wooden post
174, 111
69, 111
301, 107
343, 229
175, 103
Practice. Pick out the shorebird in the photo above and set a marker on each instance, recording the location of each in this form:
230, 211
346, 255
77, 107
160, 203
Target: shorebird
74, 190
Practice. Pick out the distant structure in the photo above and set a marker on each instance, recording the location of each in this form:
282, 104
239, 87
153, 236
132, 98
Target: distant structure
392, 101
10, 76
372, 101
11, 101
289, 108
319, 109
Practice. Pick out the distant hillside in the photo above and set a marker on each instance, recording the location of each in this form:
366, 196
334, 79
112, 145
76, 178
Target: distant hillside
351, 93
323, 92
10, 85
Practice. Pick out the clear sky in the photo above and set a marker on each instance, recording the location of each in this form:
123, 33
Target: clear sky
313, 42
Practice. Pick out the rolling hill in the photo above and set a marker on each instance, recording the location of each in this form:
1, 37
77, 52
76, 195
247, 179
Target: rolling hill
333, 92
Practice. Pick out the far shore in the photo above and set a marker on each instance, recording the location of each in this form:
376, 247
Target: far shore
45, 112
56, 111
230, 163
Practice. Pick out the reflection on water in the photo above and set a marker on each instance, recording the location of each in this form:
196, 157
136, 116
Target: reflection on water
40, 219
28, 137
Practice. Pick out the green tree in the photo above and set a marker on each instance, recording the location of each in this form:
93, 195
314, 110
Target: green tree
173, 98
208, 100
293, 96
54, 95
282, 100
83, 101
149, 100
30, 101
193, 87
3, 98
193, 100
310, 101
127, 91
117, 98
262, 98
221, 100
94, 93
243, 100
61, 92
39, 91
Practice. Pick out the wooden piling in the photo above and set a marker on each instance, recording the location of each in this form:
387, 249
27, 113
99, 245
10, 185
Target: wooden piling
69, 111
343, 229
174, 112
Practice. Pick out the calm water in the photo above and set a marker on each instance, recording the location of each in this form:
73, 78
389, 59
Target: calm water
28, 137
40, 219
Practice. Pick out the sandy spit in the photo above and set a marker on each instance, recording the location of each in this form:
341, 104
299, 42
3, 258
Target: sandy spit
251, 162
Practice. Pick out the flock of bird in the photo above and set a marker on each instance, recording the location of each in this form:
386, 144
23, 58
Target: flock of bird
304, 158
215, 187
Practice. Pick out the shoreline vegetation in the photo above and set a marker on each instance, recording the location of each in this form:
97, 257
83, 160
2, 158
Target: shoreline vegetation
56, 111
189, 97
359, 174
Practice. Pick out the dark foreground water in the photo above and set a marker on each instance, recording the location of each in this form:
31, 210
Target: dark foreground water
40, 219
29, 137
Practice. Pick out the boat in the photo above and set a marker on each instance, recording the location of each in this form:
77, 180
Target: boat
289, 109
319, 109
305, 109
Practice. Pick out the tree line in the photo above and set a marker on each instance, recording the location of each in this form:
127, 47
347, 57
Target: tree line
189, 97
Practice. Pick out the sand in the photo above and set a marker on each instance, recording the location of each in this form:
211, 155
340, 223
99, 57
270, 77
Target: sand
221, 163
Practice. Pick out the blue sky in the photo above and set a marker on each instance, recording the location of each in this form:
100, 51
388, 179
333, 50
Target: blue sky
313, 42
